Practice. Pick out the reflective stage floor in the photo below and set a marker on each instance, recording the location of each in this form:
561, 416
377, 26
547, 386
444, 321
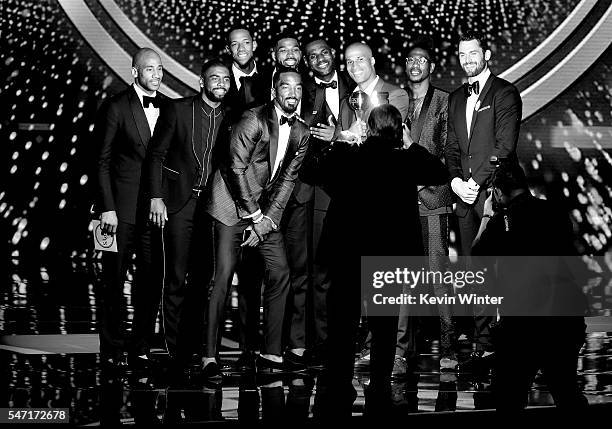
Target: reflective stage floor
49, 358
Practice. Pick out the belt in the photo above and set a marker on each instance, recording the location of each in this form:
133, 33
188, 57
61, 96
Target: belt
196, 192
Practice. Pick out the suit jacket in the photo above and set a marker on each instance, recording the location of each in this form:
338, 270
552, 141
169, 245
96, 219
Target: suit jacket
364, 183
254, 92
244, 183
122, 137
397, 97
173, 161
429, 130
315, 110
494, 132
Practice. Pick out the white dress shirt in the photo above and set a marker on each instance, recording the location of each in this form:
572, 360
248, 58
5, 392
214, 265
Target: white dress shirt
471, 103
239, 73
283, 140
332, 96
152, 113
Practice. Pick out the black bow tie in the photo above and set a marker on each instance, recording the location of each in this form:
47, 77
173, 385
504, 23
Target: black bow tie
475, 88
146, 101
333, 84
287, 120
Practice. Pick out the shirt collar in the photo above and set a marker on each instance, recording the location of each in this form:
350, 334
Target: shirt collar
141, 93
239, 73
335, 77
481, 78
370, 88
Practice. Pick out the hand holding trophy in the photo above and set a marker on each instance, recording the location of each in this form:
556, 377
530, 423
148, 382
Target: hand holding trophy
360, 103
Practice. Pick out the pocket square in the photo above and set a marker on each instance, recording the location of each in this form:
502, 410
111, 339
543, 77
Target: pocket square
484, 108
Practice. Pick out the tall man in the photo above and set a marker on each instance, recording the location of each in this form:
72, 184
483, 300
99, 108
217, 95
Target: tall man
360, 66
320, 109
427, 117
122, 132
184, 155
248, 87
248, 199
484, 116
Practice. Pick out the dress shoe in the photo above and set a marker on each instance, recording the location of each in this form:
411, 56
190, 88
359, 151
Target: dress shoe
211, 370
477, 363
264, 364
140, 363
448, 364
246, 361
294, 362
363, 362
400, 367
115, 361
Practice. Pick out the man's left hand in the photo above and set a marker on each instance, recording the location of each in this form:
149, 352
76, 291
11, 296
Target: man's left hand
263, 228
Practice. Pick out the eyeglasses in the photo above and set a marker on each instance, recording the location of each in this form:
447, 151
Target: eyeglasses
420, 60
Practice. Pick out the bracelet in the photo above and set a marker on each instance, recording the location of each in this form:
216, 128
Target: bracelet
259, 219
487, 215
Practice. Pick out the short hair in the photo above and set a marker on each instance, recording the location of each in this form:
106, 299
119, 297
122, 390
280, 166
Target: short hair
243, 28
426, 45
215, 62
286, 36
385, 121
140, 54
509, 177
474, 35
279, 71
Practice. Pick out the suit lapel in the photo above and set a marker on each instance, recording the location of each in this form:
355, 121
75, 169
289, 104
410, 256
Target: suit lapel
273, 130
140, 119
483, 93
461, 103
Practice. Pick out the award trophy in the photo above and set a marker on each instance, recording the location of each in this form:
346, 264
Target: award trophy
359, 102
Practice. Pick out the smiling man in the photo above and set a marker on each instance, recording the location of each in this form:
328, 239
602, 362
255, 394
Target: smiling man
249, 195
184, 154
360, 66
484, 117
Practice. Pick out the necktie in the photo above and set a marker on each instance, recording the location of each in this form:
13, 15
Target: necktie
146, 101
287, 120
474, 87
333, 84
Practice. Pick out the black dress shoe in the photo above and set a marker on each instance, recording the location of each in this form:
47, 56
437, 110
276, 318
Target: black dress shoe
246, 361
211, 370
264, 364
476, 363
138, 363
294, 362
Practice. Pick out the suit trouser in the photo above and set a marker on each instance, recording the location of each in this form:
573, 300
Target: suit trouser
146, 289
188, 258
435, 239
468, 229
296, 226
227, 240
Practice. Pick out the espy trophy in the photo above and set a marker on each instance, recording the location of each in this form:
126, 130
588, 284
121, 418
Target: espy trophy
360, 103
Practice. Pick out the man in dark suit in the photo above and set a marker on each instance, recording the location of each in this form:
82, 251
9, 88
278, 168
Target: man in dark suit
360, 66
249, 195
248, 87
427, 119
122, 132
484, 117
320, 109
184, 154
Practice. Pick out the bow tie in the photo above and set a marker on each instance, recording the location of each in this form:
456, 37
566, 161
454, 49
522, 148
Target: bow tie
146, 101
333, 84
287, 120
475, 88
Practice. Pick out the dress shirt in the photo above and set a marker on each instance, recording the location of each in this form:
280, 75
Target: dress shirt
332, 96
472, 100
152, 113
283, 140
239, 73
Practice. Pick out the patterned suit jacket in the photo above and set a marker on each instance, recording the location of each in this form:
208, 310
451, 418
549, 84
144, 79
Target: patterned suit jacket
244, 184
429, 131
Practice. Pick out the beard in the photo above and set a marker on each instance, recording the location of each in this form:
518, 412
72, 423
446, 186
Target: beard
214, 97
290, 107
480, 66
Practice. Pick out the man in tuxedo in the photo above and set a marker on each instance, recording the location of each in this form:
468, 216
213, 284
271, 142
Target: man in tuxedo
185, 152
484, 117
123, 129
320, 109
248, 88
249, 195
360, 66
